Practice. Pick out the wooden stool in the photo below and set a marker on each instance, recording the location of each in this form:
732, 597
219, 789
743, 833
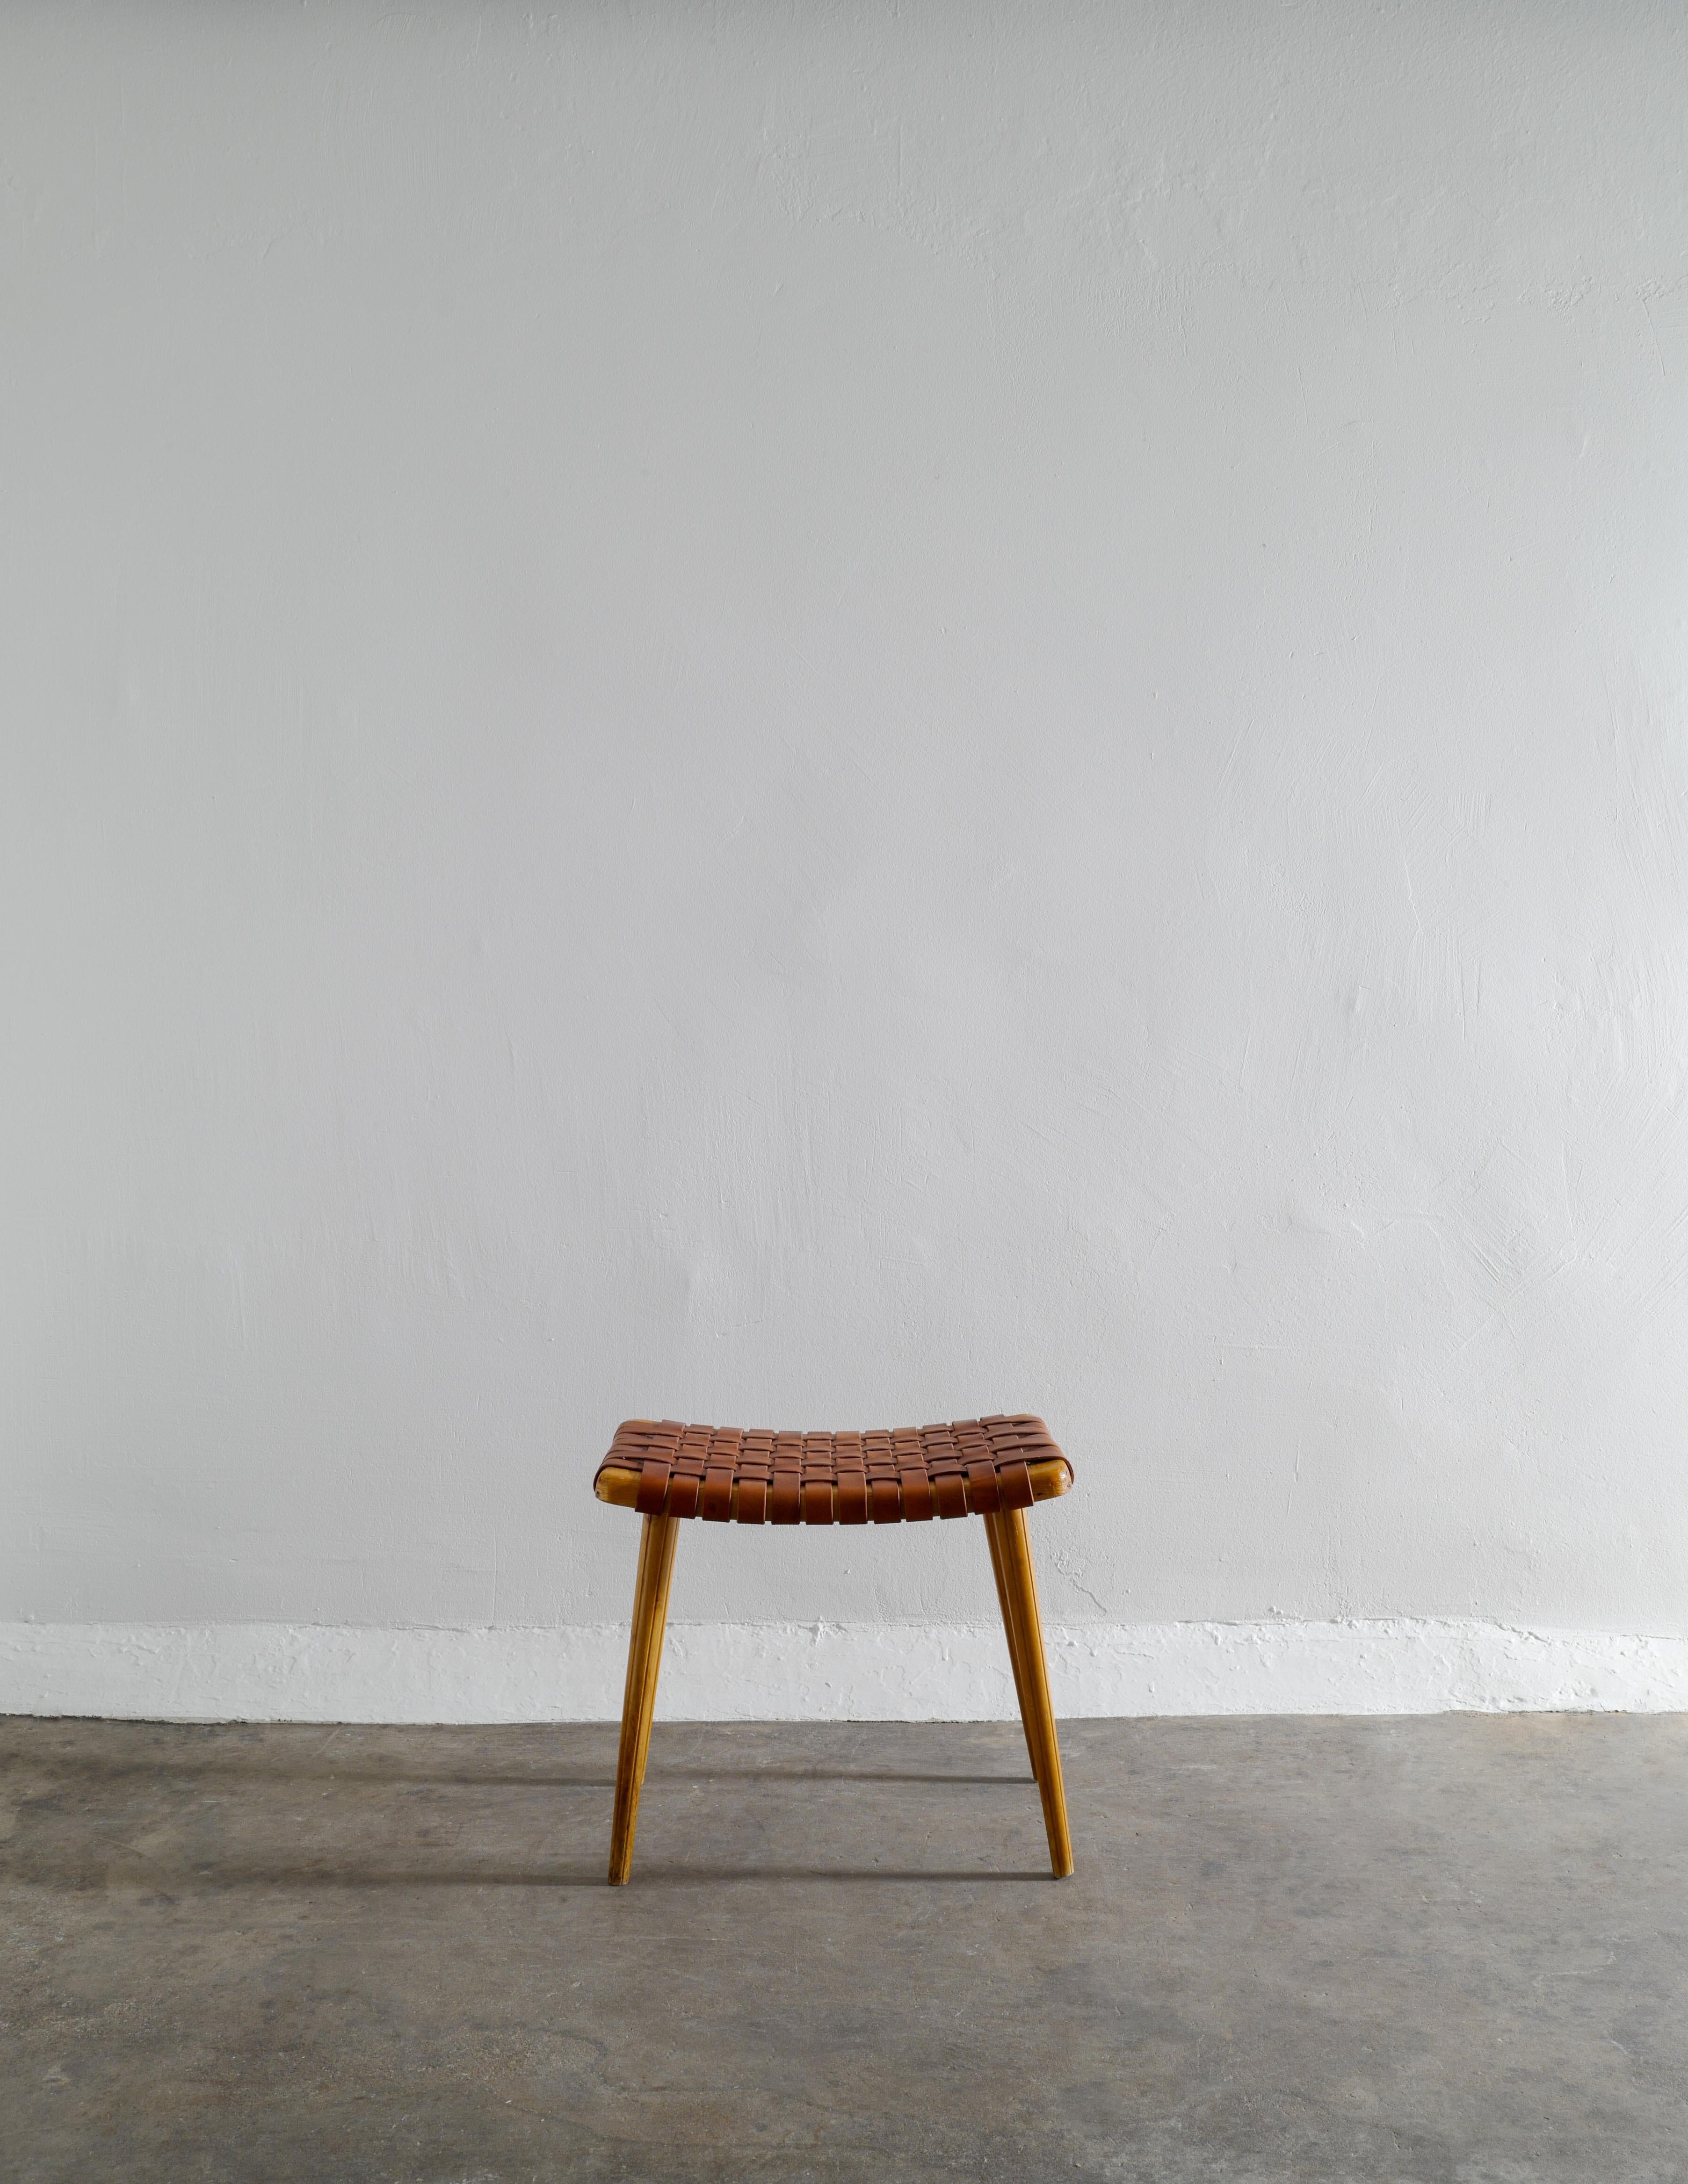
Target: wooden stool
990, 1468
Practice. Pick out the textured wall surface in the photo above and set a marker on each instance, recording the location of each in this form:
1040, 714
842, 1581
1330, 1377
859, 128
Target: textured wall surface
840, 715
728, 1671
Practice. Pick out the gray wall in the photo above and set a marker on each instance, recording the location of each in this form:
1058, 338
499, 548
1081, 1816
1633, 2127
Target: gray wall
843, 714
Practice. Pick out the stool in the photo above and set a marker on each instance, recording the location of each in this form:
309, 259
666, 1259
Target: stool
991, 1468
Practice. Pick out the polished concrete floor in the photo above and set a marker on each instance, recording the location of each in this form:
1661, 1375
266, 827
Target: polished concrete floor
1445, 1951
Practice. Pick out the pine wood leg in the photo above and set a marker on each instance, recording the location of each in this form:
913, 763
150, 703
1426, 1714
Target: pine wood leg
991, 1535
644, 1656
654, 1658
1022, 1589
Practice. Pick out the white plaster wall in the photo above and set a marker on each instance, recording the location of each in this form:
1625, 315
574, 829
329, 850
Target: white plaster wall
844, 714
728, 1671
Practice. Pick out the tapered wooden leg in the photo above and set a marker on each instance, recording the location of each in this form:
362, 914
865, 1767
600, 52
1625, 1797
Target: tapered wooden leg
645, 1656
654, 1656
995, 1544
1021, 1588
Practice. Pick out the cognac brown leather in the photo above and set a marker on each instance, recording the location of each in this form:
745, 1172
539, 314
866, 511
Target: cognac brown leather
972, 1467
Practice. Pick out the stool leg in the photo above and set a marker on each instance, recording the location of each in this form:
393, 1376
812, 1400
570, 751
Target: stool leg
1022, 1589
644, 1656
659, 1626
1014, 1661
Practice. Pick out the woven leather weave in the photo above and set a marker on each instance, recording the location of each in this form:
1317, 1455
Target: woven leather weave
972, 1467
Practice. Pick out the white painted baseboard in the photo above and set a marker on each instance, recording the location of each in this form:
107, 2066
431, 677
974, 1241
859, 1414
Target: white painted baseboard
826, 1672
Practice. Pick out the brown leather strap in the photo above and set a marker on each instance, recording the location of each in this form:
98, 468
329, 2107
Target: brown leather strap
974, 1467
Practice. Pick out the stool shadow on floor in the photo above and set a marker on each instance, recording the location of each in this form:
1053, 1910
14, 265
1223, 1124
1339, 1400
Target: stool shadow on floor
465, 1778
824, 1775
163, 1881
397, 1778
683, 1876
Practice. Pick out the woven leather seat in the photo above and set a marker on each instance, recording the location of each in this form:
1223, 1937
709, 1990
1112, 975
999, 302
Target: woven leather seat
974, 1467
994, 1468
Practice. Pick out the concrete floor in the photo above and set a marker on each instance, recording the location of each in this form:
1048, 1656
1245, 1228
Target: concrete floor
1445, 1951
